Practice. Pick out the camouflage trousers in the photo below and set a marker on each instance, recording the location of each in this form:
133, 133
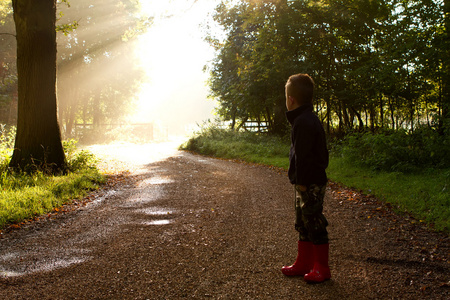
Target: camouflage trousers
310, 221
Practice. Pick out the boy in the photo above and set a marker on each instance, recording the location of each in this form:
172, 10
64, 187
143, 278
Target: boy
308, 159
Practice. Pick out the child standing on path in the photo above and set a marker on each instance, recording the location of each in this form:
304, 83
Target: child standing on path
308, 160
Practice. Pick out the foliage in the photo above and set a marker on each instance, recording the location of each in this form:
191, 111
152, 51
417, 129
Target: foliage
78, 160
5, 10
24, 196
65, 28
397, 151
247, 146
7, 136
375, 63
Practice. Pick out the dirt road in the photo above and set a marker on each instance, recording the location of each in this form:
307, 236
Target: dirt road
201, 228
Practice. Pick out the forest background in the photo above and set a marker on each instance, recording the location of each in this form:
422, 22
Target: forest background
381, 70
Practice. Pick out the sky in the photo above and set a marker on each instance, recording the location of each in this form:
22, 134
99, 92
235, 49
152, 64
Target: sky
173, 54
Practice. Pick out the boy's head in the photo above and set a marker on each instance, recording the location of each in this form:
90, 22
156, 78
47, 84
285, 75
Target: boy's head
299, 91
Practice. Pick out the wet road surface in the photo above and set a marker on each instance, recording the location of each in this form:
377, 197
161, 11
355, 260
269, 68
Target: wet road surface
187, 226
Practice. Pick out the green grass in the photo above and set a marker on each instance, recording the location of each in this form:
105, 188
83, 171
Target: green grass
423, 194
245, 146
24, 196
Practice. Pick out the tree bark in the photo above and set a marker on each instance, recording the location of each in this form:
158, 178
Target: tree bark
279, 126
38, 140
446, 66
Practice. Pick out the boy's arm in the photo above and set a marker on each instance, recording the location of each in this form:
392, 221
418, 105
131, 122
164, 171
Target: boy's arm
303, 146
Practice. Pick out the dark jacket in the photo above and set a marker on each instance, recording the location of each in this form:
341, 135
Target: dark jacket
308, 157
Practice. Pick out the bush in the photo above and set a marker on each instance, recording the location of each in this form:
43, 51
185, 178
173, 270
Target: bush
25, 195
78, 160
7, 137
249, 146
397, 151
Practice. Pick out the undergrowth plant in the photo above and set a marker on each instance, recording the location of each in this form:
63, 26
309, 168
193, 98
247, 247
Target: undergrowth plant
26, 195
397, 151
7, 137
246, 146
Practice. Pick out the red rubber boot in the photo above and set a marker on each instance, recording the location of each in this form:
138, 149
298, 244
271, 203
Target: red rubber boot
321, 270
304, 262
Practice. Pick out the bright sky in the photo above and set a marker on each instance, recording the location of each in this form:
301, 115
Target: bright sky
173, 54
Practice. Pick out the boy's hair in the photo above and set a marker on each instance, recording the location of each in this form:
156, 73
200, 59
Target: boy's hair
301, 87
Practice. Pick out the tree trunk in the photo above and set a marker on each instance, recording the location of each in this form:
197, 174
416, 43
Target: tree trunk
269, 121
391, 107
348, 125
233, 118
446, 68
381, 112
340, 117
328, 113
279, 117
38, 140
372, 118
358, 115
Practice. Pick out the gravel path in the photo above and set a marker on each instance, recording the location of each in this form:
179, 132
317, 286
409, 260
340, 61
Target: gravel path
202, 228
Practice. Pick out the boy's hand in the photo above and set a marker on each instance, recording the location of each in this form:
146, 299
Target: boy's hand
302, 188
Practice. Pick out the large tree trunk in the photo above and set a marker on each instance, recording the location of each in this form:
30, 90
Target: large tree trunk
38, 141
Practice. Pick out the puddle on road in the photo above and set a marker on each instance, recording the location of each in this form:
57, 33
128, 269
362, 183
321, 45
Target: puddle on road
41, 267
10, 274
155, 211
99, 199
157, 222
143, 196
155, 181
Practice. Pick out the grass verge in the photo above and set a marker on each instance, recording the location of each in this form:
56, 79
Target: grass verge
425, 195
245, 146
24, 196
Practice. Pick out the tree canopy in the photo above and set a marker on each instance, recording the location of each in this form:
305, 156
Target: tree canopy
375, 63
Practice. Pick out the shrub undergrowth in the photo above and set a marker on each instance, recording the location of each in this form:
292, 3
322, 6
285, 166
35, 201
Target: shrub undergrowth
24, 196
397, 151
246, 146
409, 171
